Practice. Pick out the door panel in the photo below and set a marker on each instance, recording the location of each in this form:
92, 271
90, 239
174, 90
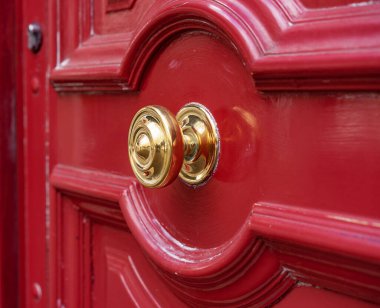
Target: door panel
290, 214
122, 274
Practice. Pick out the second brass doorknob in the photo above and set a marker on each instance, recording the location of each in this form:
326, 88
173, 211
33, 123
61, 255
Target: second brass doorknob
161, 147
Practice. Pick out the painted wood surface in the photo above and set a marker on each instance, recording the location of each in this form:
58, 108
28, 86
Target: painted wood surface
8, 158
291, 214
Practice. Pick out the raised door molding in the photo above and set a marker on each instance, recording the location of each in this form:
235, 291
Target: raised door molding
283, 44
294, 245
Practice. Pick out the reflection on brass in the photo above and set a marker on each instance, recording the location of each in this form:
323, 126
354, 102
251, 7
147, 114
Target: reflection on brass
161, 147
201, 143
155, 146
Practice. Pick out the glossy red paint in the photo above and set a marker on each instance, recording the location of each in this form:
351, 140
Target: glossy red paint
285, 45
33, 154
8, 156
289, 217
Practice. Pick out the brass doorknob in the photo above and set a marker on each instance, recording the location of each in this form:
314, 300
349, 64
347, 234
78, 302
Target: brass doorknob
161, 147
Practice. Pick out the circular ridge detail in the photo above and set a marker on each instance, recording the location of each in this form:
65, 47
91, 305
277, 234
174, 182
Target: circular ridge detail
161, 146
155, 146
202, 143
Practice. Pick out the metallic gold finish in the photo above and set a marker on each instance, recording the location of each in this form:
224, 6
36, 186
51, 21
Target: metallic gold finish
155, 146
160, 148
201, 143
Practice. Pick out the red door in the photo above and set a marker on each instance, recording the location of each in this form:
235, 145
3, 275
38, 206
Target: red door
289, 215
8, 169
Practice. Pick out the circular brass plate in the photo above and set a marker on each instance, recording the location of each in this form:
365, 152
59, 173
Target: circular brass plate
155, 146
202, 143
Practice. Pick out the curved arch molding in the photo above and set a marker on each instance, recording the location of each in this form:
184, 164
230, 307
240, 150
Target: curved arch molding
283, 45
279, 246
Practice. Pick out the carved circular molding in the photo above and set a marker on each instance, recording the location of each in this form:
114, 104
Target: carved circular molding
238, 272
243, 270
236, 269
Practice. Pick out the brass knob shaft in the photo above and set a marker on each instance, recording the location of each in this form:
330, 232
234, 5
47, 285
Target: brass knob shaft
162, 146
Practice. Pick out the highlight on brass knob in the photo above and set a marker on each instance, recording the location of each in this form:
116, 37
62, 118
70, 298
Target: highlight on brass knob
161, 147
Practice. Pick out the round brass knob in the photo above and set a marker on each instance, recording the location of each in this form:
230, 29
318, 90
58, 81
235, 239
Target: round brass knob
161, 147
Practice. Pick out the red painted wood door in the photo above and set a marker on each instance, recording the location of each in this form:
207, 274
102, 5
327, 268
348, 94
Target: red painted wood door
291, 216
8, 168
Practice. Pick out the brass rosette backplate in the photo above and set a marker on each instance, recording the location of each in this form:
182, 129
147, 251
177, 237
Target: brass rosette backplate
162, 147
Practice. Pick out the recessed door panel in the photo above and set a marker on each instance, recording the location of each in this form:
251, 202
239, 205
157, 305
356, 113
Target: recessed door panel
289, 215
